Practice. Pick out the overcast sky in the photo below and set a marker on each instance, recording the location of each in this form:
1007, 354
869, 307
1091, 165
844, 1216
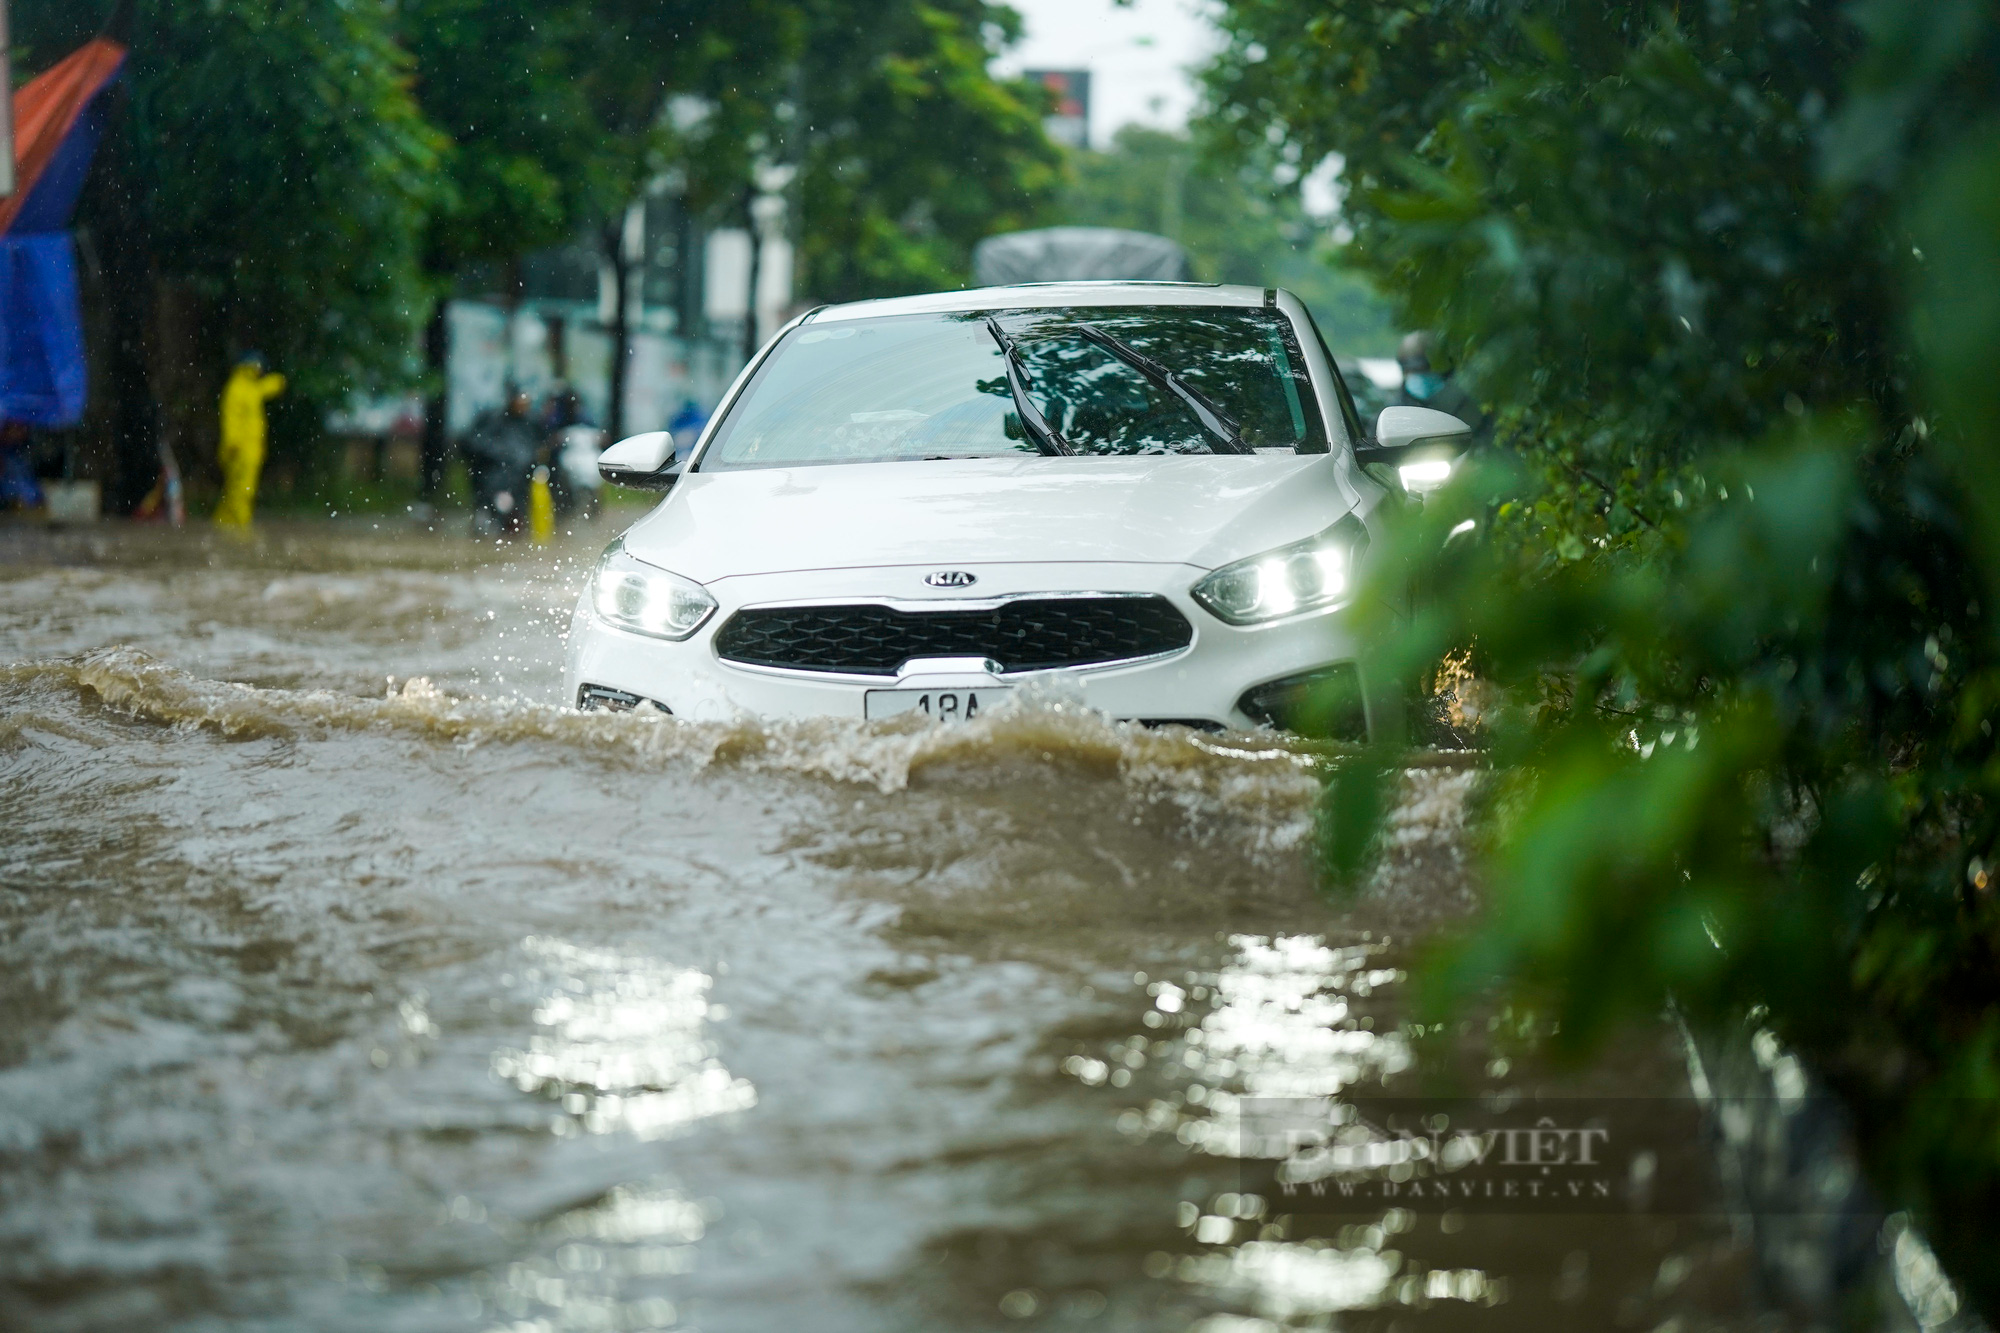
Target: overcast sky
1141, 57
1138, 55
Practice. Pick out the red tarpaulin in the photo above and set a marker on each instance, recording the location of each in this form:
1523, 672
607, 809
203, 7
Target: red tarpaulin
56, 127
46, 110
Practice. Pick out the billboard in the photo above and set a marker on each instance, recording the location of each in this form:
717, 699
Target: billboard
1068, 121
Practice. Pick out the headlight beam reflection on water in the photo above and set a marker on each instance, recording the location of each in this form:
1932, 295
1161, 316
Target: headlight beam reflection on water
623, 1046
1280, 1023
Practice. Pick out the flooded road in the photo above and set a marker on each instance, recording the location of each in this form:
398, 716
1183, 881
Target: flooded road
347, 982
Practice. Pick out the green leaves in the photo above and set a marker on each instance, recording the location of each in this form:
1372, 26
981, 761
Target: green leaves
909, 150
1956, 320
1353, 800
1235, 226
283, 172
314, 174
1726, 276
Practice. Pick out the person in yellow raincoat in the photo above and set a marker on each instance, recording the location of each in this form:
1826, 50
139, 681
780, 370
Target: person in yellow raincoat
242, 451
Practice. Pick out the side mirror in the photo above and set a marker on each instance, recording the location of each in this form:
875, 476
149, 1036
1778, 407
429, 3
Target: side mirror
1421, 443
643, 462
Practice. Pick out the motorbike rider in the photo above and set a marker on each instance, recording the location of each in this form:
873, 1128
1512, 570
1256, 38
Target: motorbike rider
686, 428
499, 455
1428, 382
571, 446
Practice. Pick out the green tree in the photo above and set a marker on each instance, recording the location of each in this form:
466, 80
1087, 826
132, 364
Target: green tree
908, 149
1236, 220
266, 186
312, 177
499, 82
553, 117
898, 145
1727, 274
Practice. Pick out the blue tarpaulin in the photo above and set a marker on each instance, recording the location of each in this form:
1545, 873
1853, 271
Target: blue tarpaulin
59, 118
41, 331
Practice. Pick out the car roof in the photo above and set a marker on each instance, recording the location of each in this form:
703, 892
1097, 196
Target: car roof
1033, 295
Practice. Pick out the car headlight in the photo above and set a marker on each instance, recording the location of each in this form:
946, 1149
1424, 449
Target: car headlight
1423, 475
1305, 576
645, 600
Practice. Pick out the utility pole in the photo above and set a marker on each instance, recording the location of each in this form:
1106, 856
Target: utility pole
620, 299
6, 106
753, 275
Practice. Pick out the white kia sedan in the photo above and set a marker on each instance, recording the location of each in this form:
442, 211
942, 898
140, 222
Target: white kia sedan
1155, 498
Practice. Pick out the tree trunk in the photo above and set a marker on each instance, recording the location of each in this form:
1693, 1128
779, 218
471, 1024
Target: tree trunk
621, 336
125, 250
690, 317
436, 447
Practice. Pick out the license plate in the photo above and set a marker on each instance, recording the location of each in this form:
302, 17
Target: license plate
938, 705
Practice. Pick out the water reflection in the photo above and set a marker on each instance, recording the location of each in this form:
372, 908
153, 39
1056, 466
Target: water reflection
1286, 1018
203, 871
623, 1046
610, 1267
1278, 1022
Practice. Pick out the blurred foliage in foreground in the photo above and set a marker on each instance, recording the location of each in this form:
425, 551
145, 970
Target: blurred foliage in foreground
1730, 274
1238, 222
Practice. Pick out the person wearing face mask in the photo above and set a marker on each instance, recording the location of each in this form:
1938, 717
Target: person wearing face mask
1428, 382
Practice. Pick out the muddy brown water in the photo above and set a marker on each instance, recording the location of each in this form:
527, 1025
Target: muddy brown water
349, 982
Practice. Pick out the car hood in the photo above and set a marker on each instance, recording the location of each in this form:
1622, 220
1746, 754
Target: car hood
1203, 511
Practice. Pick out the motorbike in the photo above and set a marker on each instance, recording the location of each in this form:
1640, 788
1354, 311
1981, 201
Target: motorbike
574, 483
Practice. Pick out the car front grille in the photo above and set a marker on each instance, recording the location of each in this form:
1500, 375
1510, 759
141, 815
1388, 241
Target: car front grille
1027, 634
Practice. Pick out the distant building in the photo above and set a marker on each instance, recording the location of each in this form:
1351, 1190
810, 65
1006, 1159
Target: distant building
687, 302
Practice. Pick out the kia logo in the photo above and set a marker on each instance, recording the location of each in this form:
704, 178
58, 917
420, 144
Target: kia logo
950, 578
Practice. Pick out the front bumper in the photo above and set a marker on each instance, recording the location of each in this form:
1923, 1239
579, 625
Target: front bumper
1202, 683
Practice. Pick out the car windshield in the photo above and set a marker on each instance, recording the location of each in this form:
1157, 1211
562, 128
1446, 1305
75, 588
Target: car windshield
907, 387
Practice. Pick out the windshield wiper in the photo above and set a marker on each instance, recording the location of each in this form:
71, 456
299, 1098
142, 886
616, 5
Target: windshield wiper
1032, 420
1212, 418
